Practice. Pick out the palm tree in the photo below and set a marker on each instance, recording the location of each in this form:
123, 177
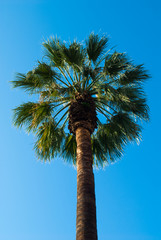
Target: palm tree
90, 102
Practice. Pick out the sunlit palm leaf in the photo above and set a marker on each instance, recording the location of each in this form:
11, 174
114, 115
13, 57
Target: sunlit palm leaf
99, 155
96, 46
49, 140
74, 55
53, 49
42, 77
69, 148
116, 63
31, 114
135, 75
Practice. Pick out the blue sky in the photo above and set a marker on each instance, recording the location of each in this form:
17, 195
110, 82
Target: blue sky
38, 200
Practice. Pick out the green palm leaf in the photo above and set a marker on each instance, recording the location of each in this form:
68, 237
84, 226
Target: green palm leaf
32, 114
96, 46
49, 140
135, 75
53, 51
42, 77
74, 55
69, 148
116, 63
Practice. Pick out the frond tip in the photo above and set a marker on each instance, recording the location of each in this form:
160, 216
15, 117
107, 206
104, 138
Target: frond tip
96, 46
40, 78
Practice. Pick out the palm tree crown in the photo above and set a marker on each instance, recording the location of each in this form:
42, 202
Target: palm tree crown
83, 84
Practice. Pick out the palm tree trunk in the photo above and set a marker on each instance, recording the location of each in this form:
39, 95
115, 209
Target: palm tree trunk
86, 228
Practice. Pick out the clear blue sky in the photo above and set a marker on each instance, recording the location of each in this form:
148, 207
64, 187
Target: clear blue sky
38, 200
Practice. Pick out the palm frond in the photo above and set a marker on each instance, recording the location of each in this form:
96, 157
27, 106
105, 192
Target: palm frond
49, 140
69, 149
42, 77
95, 46
31, 114
124, 125
130, 99
116, 63
115, 135
74, 55
110, 141
99, 155
136, 75
53, 51
125, 98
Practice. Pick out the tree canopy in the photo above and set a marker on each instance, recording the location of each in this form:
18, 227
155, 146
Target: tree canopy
89, 73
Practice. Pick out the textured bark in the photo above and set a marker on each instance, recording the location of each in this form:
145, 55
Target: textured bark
82, 113
86, 228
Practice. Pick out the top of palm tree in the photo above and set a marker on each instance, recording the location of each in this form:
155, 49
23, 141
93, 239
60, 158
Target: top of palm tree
91, 75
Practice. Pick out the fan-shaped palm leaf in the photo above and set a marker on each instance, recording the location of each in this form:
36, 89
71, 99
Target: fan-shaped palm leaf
96, 46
